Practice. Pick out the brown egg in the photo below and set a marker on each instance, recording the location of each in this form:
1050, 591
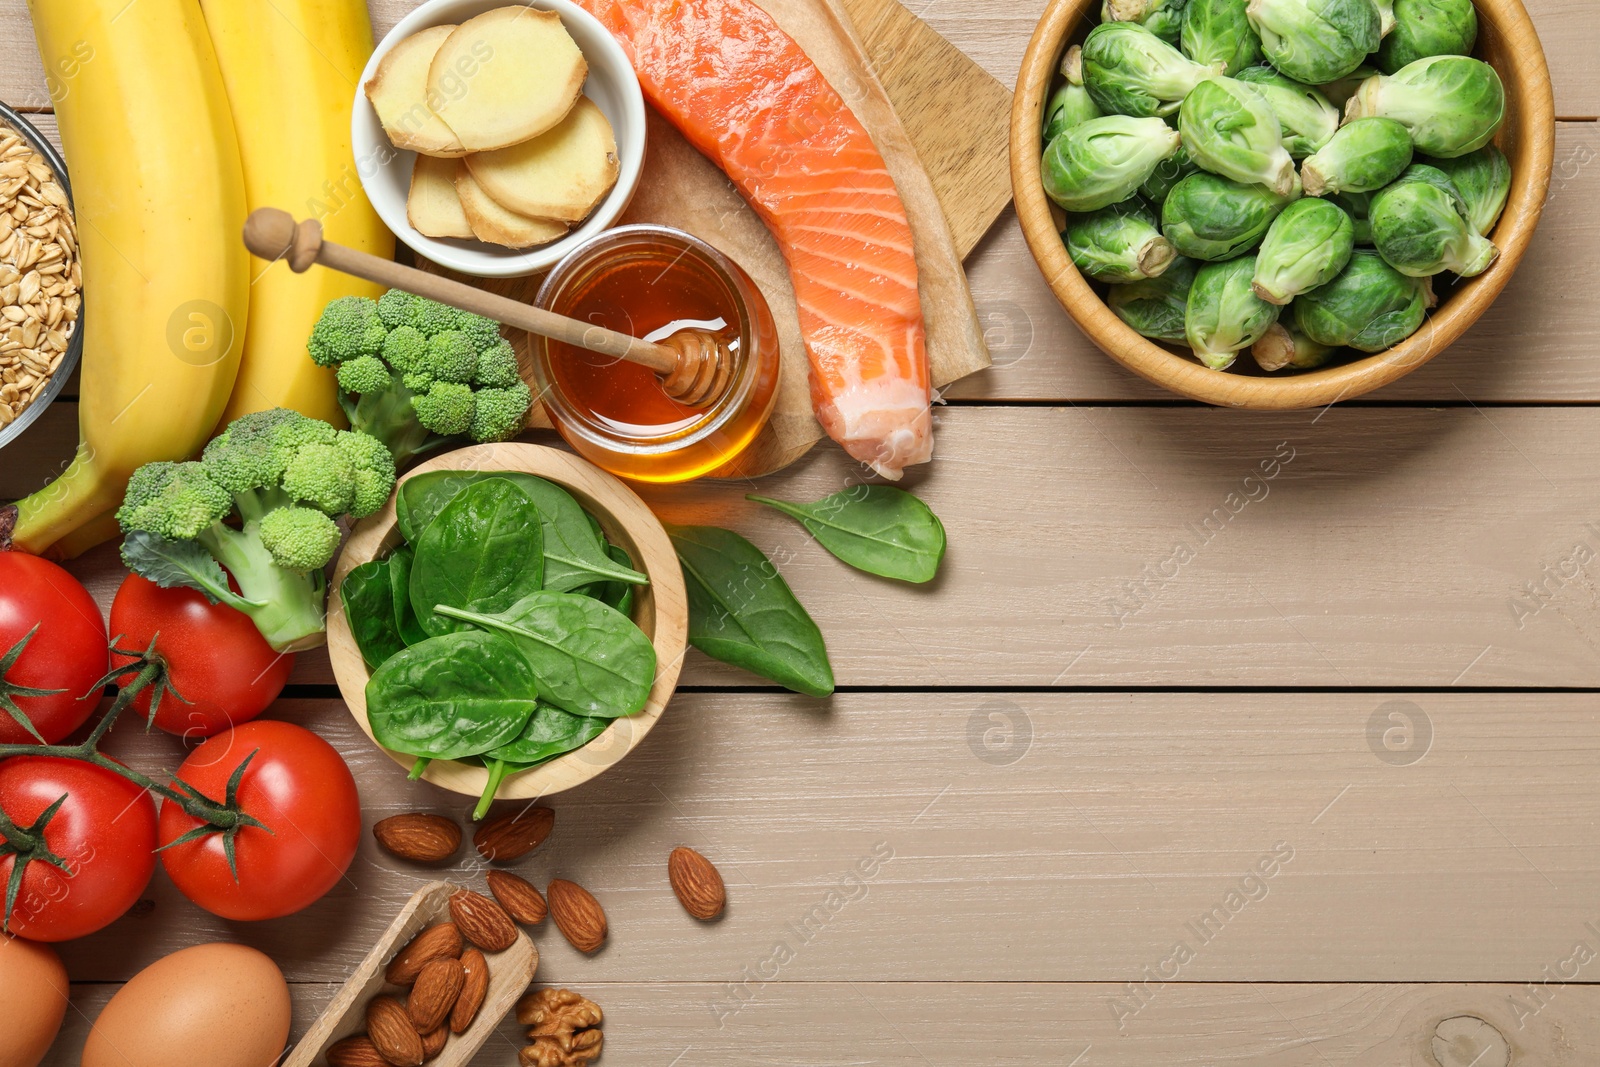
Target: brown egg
36, 994
221, 1005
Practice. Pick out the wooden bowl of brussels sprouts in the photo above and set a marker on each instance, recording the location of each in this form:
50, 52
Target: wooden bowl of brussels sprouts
576, 626
1279, 204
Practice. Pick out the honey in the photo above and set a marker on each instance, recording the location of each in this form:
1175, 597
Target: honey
652, 281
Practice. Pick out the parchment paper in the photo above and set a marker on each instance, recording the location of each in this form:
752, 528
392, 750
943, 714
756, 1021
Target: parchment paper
682, 188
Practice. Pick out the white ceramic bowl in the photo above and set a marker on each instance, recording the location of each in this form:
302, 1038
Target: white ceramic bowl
386, 172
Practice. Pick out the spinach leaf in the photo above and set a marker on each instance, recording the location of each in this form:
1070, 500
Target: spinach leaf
451, 696
874, 528
589, 659
574, 550
484, 551
550, 733
369, 608
618, 595
742, 612
405, 620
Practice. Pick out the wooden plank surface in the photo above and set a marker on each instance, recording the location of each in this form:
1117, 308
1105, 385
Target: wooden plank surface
1023, 1024
1181, 546
1017, 837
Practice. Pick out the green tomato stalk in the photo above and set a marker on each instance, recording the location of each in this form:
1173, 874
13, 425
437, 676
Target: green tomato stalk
147, 672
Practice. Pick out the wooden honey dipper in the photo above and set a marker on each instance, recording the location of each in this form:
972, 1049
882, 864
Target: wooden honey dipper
695, 366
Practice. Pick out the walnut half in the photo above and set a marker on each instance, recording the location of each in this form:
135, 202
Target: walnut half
561, 1024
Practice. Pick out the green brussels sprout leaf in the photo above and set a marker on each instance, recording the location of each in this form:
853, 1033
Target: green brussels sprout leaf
1308, 245
1224, 315
1363, 157
1103, 161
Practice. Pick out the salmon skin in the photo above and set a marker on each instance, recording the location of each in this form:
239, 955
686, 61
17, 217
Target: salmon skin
745, 94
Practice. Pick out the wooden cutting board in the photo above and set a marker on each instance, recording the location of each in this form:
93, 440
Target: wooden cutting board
964, 151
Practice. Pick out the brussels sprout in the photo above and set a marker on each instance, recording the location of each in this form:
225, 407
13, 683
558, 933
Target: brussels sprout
1451, 104
1359, 207
1218, 31
1224, 314
1285, 346
1156, 306
1168, 173
1211, 218
1420, 230
1306, 118
1426, 28
1120, 243
1422, 172
1483, 178
1130, 71
1316, 41
1370, 306
1101, 162
1363, 157
1308, 244
1164, 18
1340, 90
1229, 130
1070, 105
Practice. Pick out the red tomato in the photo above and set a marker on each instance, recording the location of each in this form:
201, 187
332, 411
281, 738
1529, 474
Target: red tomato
68, 652
106, 832
219, 661
300, 789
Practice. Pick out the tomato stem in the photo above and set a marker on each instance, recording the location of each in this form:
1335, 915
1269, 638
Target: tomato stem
147, 671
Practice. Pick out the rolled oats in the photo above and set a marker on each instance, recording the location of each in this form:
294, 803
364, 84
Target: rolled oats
39, 274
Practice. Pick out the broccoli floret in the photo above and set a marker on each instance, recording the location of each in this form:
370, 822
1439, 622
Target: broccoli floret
406, 349
349, 328
499, 414
451, 357
364, 374
176, 500
300, 539
445, 409
283, 477
497, 367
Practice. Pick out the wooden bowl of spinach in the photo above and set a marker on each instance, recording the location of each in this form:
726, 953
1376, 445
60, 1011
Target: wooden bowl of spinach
511, 624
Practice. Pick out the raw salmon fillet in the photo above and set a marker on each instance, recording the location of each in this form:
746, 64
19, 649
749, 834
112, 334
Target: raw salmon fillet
745, 94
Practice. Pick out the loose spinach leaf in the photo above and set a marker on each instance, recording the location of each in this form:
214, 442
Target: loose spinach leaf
874, 528
742, 612
451, 696
369, 608
574, 550
550, 732
483, 551
405, 620
589, 659
618, 595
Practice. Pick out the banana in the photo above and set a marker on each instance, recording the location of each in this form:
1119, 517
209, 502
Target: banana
159, 197
292, 68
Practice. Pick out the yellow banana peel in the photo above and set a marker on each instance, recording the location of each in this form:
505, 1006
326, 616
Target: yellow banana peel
159, 196
292, 68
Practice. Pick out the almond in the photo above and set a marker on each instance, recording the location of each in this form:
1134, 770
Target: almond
434, 994
511, 836
520, 897
355, 1052
440, 942
473, 990
482, 921
696, 882
418, 837
433, 1044
392, 1034
578, 915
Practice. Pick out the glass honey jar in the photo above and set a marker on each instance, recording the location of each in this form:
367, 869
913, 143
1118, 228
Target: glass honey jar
651, 281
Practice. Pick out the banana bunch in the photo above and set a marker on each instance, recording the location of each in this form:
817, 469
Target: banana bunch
238, 105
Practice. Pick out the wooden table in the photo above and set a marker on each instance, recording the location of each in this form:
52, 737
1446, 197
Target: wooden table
1148, 673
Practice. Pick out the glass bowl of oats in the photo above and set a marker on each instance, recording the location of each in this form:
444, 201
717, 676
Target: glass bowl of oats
41, 303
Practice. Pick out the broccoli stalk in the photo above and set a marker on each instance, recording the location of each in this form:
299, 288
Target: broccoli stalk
261, 503
417, 374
